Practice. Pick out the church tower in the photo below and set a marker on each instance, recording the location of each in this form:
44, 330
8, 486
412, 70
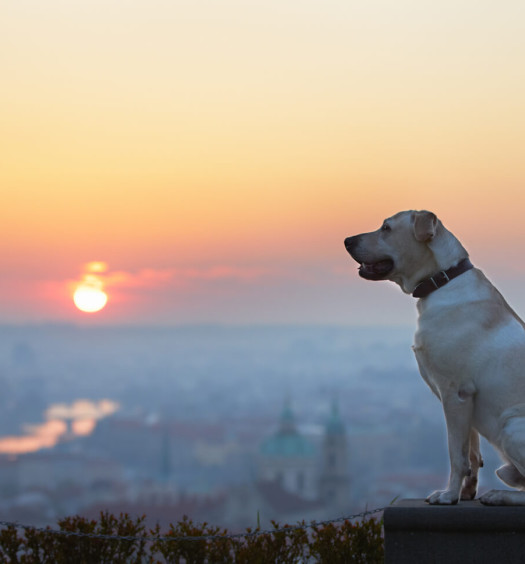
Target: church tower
289, 459
334, 487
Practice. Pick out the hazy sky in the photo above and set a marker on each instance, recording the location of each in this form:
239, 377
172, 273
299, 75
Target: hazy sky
215, 154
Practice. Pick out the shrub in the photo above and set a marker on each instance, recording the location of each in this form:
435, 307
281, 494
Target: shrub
359, 542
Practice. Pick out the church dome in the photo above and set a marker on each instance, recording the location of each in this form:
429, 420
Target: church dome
290, 445
287, 442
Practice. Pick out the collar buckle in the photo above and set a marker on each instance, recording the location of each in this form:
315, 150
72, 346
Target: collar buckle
440, 279
426, 287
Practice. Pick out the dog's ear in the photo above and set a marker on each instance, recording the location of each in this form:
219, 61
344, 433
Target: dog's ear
425, 225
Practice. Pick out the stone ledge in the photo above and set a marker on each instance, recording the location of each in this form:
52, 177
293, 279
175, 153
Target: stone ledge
465, 533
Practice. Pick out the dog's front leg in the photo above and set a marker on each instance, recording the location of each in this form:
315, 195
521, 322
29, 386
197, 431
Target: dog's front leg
470, 483
458, 407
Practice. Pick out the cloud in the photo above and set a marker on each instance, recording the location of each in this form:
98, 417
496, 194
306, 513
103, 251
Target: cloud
223, 273
97, 276
96, 267
151, 277
144, 278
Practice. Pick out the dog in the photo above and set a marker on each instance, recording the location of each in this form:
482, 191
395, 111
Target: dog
469, 346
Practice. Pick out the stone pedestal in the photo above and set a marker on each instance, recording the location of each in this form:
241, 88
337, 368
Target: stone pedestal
468, 532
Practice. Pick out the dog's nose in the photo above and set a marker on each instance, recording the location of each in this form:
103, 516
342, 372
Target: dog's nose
350, 242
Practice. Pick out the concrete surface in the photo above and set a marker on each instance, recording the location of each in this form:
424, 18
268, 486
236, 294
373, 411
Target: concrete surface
468, 532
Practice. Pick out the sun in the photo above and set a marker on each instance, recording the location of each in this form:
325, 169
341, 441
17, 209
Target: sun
89, 298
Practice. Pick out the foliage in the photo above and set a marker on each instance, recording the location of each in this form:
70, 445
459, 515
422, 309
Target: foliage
359, 542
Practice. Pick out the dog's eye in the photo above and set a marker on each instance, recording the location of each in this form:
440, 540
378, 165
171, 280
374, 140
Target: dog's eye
386, 227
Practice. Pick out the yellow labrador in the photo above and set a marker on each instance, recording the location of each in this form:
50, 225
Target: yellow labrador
469, 346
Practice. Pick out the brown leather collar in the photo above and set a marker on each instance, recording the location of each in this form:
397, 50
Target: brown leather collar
426, 287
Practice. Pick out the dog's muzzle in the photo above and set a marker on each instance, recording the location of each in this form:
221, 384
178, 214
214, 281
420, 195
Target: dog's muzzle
368, 269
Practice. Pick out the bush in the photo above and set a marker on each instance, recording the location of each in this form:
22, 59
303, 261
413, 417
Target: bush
359, 542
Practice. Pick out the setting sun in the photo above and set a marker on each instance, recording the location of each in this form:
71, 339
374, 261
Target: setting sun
89, 299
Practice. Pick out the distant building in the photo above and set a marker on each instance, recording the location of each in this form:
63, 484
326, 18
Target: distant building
54, 470
289, 459
334, 483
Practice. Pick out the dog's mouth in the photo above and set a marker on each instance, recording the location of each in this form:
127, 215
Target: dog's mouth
376, 270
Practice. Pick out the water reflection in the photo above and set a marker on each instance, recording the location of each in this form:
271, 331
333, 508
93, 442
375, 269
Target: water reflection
64, 422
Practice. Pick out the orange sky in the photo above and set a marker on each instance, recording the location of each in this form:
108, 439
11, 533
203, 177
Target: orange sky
216, 154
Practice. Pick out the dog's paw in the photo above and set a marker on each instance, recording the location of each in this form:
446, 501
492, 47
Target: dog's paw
502, 497
492, 497
446, 497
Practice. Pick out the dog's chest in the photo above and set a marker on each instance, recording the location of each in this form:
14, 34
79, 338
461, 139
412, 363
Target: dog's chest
442, 355
432, 377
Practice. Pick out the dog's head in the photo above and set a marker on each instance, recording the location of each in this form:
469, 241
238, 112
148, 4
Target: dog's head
409, 247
